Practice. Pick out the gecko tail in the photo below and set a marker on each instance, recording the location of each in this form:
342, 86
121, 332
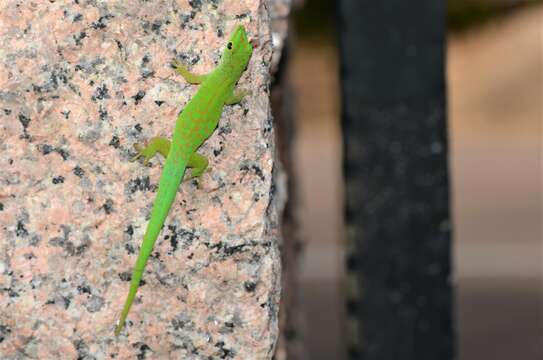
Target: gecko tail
136, 278
167, 189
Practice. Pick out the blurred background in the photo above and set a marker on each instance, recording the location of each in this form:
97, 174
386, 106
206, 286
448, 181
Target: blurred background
494, 82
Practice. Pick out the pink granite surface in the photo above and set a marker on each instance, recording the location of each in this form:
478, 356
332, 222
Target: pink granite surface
80, 83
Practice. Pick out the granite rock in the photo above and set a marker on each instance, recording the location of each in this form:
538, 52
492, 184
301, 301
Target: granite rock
80, 83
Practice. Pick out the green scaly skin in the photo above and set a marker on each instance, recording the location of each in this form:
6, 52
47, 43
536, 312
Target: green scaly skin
193, 126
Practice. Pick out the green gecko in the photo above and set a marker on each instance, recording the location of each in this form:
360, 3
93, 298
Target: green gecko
193, 126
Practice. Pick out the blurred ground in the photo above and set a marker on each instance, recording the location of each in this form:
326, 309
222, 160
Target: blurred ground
318, 154
495, 99
494, 81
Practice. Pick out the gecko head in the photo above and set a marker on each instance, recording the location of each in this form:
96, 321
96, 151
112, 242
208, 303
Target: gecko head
238, 49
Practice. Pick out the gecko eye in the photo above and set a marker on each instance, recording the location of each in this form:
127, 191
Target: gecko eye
229, 46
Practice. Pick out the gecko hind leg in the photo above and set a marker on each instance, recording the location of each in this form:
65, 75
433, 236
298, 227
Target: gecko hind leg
156, 145
198, 164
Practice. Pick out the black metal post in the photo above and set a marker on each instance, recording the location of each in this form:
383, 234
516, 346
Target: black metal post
395, 160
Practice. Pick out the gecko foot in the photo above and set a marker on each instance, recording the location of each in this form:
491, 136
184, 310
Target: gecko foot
156, 145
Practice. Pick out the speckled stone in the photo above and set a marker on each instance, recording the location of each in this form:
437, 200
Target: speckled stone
80, 83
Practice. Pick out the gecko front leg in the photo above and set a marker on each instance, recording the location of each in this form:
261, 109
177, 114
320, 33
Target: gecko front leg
236, 97
190, 77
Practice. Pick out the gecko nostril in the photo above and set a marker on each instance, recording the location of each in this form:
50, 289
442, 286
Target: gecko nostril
254, 42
